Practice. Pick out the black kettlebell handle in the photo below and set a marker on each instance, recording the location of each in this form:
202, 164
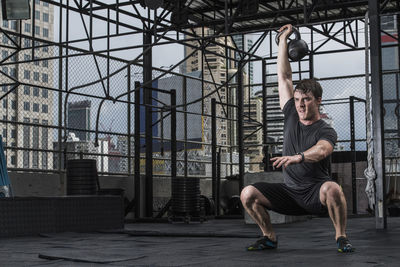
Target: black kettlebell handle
294, 30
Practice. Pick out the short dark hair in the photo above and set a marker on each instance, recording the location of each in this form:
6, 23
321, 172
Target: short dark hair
309, 85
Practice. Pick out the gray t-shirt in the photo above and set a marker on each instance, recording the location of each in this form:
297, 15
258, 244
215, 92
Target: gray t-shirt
298, 137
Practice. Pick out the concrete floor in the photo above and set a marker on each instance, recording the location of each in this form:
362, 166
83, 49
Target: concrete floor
212, 243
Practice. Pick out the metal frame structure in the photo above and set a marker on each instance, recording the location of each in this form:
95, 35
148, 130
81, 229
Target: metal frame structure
225, 18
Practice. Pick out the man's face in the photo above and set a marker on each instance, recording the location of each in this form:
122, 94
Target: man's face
307, 106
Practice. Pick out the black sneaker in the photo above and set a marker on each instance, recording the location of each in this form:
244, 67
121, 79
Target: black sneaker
344, 245
263, 243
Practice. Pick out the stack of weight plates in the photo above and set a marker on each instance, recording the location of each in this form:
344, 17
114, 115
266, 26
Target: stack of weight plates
81, 177
185, 195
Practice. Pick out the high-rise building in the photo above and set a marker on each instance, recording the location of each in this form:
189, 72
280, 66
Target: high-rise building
79, 118
185, 93
244, 43
30, 103
274, 117
216, 68
253, 133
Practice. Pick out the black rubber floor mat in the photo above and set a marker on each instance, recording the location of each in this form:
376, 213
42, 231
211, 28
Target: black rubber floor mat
92, 257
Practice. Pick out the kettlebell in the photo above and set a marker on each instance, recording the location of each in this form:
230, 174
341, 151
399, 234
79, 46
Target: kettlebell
297, 48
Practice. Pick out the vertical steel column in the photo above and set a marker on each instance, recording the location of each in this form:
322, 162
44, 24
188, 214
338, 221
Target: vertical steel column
147, 96
397, 110
129, 133
17, 99
91, 24
217, 183
67, 47
305, 16
264, 116
311, 56
60, 96
377, 115
230, 123
239, 101
184, 101
214, 148
138, 210
353, 156
33, 27
173, 134
117, 17
108, 56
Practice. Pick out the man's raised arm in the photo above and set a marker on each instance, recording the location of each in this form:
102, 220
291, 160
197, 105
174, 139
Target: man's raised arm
285, 84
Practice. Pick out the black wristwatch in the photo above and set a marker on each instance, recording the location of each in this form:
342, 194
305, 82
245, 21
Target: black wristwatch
302, 156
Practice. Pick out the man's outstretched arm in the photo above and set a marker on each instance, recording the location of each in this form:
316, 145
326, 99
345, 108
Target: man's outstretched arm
285, 83
317, 152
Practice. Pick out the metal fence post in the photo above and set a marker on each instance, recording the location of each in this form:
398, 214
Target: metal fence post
353, 156
264, 116
214, 147
147, 96
377, 102
218, 182
173, 134
138, 209
239, 101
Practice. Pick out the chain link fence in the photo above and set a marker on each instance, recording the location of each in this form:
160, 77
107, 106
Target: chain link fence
37, 114
45, 121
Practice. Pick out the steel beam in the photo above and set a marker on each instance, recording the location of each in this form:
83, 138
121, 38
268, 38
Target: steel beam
377, 114
353, 156
264, 116
137, 200
147, 96
239, 103
173, 134
214, 148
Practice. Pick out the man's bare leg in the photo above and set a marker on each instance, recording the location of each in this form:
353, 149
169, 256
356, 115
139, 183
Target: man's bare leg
254, 202
331, 196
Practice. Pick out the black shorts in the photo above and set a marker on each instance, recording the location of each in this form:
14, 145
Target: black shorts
290, 201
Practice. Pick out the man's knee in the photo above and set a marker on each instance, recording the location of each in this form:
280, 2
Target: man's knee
250, 196
332, 193
247, 196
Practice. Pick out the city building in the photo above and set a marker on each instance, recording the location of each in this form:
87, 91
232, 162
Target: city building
74, 148
122, 148
253, 133
79, 118
31, 103
274, 118
185, 93
216, 68
244, 43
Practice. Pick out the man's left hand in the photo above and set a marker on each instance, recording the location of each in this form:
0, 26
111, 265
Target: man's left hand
285, 160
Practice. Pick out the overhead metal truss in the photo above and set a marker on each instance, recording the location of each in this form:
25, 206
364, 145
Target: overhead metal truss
271, 14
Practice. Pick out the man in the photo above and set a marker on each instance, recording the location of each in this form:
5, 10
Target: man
308, 142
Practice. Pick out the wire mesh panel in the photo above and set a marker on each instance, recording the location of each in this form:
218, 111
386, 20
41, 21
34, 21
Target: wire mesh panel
336, 109
391, 113
46, 119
